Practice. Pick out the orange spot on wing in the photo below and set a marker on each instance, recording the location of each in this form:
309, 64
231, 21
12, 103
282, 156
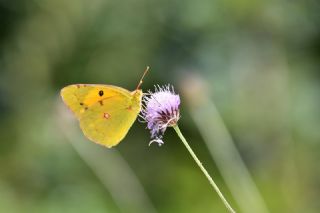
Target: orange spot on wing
106, 115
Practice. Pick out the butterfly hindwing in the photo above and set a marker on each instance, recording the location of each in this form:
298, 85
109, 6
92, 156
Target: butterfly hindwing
109, 122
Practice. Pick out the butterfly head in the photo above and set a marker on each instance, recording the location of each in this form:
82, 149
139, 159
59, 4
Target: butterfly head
137, 96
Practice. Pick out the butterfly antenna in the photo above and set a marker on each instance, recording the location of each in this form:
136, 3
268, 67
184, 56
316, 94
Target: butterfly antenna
144, 74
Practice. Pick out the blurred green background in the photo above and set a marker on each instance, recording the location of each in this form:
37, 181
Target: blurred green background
255, 62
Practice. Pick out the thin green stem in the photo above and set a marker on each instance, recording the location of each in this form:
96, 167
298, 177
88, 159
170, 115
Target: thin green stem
205, 172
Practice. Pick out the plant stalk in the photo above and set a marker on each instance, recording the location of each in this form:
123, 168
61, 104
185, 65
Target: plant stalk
205, 172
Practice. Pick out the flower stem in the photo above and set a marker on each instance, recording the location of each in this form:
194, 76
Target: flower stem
205, 172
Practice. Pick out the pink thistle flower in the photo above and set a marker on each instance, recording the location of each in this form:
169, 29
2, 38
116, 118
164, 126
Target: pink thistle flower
160, 110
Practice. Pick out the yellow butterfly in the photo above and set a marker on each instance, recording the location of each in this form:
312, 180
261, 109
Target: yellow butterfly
105, 112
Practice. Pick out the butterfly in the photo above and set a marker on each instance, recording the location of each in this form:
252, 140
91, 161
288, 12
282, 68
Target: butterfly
105, 112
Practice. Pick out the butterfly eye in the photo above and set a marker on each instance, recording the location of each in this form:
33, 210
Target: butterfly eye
101, 93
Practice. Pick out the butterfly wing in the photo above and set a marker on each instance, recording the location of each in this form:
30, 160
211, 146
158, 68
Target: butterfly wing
79, 97
105, 112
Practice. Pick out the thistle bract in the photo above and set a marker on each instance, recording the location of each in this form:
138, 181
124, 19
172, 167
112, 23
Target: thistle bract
160, 110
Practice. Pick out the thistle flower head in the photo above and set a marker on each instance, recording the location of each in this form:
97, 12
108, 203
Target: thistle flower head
160, 110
